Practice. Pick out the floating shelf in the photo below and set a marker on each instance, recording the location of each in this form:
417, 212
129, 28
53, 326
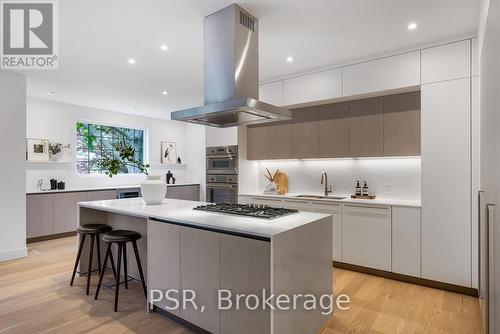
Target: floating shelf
168, 166
48, 165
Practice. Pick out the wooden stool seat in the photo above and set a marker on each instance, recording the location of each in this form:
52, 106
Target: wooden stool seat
121, 237
92, 230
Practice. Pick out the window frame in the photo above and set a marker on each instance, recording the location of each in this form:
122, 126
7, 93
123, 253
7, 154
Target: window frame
145, 146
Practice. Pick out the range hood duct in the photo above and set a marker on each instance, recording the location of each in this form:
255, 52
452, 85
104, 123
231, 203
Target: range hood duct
231, 74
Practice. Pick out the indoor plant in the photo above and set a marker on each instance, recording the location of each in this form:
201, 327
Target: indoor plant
153, 189
55, 150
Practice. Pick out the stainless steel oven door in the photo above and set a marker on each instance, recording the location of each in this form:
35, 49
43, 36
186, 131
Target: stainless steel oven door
222, 164
222, 193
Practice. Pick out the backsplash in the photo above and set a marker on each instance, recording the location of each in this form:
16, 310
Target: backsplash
386, 177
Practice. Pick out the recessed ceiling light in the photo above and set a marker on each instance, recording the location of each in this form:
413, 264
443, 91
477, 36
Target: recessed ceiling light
51, 93
133, 108
164, 92
412, 26
164, 47
131, 61
289, 59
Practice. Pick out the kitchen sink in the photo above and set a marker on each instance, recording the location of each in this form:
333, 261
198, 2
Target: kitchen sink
320, 197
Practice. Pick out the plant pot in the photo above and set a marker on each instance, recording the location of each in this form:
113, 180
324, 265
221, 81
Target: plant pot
54, 157
153, 190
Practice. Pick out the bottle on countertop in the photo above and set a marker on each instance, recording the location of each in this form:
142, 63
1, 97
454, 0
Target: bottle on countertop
358, 188
365, 189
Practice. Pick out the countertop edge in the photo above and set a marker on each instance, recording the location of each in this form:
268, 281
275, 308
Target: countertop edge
76, 190
348, 200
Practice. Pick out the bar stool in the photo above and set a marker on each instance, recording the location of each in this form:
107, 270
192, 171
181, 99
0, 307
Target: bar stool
121, 237
93, 230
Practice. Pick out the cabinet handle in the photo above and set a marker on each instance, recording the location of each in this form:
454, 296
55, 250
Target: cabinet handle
367, 207
479, 278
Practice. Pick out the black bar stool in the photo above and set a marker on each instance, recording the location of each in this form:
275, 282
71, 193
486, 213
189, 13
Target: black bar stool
93, 230
121, 237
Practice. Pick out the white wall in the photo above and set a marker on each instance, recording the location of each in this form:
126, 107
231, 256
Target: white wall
56, 122
386, 177
12, 146
221, 136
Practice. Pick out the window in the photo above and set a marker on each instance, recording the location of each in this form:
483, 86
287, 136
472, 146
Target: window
95, 141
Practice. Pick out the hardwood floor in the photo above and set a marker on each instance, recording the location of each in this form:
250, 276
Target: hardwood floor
35, 297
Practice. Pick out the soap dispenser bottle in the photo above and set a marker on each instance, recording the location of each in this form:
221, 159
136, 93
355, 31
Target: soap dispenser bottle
365, 189
358, 188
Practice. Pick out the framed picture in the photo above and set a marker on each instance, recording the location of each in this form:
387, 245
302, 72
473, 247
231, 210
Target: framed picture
168, 153
37, 149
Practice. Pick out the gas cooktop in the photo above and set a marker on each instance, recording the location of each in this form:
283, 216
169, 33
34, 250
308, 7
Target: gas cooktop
248, 210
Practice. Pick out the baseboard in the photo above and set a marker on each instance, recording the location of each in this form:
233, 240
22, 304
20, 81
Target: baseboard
12, 254
50, 237
408, 279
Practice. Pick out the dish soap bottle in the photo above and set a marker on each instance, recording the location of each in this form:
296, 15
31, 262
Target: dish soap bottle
365, 189
358, 188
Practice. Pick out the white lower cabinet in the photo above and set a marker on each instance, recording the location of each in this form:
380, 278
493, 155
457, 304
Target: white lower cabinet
297, 205
406, 240
336, 211
366, 235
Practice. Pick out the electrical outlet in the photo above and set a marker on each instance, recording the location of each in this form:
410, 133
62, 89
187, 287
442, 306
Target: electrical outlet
389, 188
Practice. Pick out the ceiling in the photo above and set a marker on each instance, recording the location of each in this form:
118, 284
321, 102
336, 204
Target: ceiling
98, 37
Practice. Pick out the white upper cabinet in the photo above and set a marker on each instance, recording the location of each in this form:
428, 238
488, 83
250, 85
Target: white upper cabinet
272, 93
383, 74
446, 62
313, 87
475, 57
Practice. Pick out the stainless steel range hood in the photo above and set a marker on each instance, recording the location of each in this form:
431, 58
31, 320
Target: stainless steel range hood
231, 74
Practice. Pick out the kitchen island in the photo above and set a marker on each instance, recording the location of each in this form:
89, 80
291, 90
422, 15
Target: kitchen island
219, 255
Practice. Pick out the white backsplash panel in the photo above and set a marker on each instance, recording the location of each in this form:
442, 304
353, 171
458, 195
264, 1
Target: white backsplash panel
386, 177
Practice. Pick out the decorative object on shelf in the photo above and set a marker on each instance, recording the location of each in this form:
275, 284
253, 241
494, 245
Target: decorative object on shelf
37, 149
55, 150
53, 184
179, 160
168, 152
278, 182
173, 180
169, 176
153, 190
61, 185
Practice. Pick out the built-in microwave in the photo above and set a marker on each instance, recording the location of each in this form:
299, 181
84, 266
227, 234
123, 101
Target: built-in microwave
222, 160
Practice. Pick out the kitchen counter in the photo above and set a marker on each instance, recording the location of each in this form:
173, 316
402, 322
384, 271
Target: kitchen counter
182, 212
81, 189
348, 199
206, 252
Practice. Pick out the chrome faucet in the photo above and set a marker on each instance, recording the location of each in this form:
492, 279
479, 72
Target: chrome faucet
324, 181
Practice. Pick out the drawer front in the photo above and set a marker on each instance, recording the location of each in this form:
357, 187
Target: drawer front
366, 235
297, 205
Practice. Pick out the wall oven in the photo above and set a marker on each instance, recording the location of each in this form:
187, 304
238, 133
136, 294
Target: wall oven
222, 160
222, 178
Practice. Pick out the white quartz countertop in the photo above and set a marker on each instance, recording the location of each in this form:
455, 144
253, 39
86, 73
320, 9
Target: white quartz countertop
180, 211
348, 199
81, 189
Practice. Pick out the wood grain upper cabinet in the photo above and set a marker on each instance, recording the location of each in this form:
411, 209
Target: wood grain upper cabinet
366, 128
39, 215
446, 62
333, 131
258, 142
66, 212
313, 87
305, 133
402, 124
272, 93
280, 140
383, 74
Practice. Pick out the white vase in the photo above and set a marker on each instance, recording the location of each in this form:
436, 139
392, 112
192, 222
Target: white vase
153, 190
